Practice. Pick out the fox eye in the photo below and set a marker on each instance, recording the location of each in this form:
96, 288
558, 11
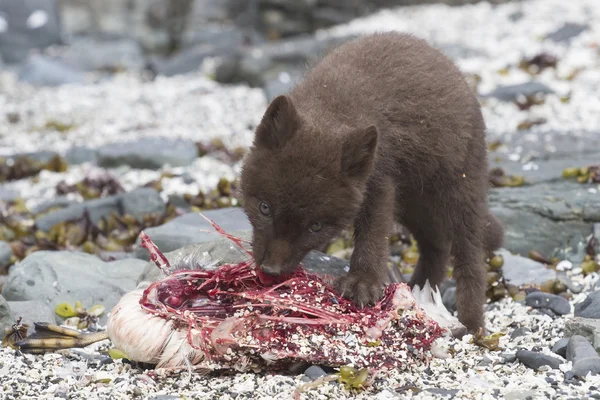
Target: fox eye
316, 227
265, 209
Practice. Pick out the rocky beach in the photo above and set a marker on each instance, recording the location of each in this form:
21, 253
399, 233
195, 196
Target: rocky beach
105, 134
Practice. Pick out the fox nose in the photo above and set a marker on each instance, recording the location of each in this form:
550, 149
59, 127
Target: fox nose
270, 269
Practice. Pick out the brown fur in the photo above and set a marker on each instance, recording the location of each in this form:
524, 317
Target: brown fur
383, 129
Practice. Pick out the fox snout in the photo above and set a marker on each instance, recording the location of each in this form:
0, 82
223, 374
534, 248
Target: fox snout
277, 258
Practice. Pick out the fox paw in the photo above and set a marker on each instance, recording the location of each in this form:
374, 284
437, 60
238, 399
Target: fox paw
361, 290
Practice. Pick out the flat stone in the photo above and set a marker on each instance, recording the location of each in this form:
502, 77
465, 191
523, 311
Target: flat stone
519, 270
193, 229
103, 53
32, 311
53, 277
519, 332
5, 255
567, 32
535, 360
443, 392
58, 202
556, 304
560, 347
546, 216
138, 203
586, 327
80, 154
590, 307
511, 92
508, 358
148, 153
34, 24
40, 70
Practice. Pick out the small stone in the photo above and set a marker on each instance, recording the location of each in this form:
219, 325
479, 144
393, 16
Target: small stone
512, 92
449, 299
560, 347
508, 357
443, 392
575, 288
535, 360
567, 32
557, 304
590, 307
314, 372
148, 153
519, 332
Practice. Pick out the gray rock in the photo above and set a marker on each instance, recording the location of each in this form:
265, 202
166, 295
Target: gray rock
314, 371
6, 317
545, 216
590, 307
40, 70
511, 92
34, 24
138, 202
103, 53
223, 251
557, 304
586, 327
148, 153
519, 270
519, 332
560, 347
443, 392
32, 311
142, 201
5, 255
535, 360
59, 201
568, 282
79, 155
567, 32
53, 277
508, 358
193, 229
583, 356
449, 299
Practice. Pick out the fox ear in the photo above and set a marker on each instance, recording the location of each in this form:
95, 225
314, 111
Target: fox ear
358, 152
278, 124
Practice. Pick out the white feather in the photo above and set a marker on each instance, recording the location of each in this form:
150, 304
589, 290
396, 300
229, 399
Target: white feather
430, 301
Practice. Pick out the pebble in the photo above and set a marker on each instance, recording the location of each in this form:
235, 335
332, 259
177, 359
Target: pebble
590, 307
556, 304
314, 371
560, 347
535, 360
522, 331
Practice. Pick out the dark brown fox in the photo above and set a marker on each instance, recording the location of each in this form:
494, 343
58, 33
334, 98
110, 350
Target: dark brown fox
383, 129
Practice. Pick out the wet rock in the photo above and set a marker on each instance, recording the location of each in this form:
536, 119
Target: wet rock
560, 347
590, 307
142, 201
193, 229
511, 92
40, 70
314, 371
52, 277
567, 32
138, 203
32, 311
535, 360
33, 24
148, 153
586, 327
583, 356
5, 255
79, 155
545, 216
519, 332
6, 318
519, 270
556, 304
